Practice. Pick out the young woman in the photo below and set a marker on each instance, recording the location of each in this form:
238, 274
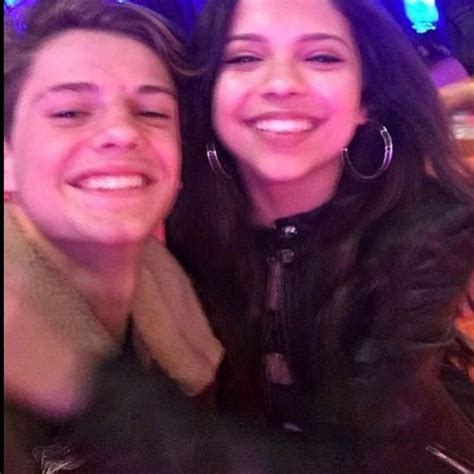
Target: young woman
328, 259
92, 164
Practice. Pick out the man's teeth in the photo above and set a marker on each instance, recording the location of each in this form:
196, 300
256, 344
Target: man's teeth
284, 126
112, 182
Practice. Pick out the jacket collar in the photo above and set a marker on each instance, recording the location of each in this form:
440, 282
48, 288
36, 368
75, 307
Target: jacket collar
169, 326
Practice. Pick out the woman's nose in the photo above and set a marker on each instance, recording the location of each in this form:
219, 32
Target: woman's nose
281, 79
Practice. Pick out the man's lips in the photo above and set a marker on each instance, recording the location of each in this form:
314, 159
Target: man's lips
110, 181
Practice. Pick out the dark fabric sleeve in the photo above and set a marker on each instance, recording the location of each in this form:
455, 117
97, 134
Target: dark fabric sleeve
141, 423
418, 264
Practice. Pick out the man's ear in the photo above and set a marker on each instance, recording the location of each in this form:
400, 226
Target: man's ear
9, 182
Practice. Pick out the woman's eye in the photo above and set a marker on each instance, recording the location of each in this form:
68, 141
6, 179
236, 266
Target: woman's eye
324, 59
243, 59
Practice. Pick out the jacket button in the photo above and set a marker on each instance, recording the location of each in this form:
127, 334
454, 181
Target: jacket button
289, 231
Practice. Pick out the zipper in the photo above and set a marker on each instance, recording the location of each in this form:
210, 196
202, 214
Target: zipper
275, 282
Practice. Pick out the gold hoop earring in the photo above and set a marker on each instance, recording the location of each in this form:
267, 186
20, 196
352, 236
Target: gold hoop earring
387, 157
214, 162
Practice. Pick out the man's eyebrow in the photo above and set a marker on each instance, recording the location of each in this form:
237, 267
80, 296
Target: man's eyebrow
67, 87
88, 87
155, 89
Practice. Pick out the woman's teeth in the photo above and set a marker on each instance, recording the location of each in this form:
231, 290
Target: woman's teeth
112, 183
284, 126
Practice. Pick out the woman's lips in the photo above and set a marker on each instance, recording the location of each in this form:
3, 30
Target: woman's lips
283, 122
284, 126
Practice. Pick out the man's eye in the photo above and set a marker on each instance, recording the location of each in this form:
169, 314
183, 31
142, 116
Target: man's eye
69, 114
152, 114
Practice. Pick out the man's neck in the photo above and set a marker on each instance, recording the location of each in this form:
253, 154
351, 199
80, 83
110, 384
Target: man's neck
105, 275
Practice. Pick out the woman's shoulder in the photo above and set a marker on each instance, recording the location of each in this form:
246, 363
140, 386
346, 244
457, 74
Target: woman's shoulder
424, 246
432, 211
434, 201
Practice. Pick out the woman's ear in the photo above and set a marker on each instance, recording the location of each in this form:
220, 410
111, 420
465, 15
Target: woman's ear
363, 115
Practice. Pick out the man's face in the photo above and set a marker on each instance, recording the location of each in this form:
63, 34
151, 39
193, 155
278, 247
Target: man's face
94, 153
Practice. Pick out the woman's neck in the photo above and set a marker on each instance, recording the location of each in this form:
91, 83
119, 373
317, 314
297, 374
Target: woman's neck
273, 200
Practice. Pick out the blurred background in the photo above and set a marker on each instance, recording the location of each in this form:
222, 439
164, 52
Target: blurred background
438, 27
442, 32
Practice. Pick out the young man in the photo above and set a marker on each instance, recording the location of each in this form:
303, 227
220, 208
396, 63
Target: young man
92, 164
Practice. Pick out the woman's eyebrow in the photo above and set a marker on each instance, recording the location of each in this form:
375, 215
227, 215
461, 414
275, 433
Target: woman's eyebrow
255, 37
246, 37
324, 36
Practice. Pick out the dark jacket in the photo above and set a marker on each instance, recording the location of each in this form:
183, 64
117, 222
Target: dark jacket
376, 385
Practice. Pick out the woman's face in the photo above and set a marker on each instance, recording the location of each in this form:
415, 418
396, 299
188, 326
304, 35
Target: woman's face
288, 95
94, 154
